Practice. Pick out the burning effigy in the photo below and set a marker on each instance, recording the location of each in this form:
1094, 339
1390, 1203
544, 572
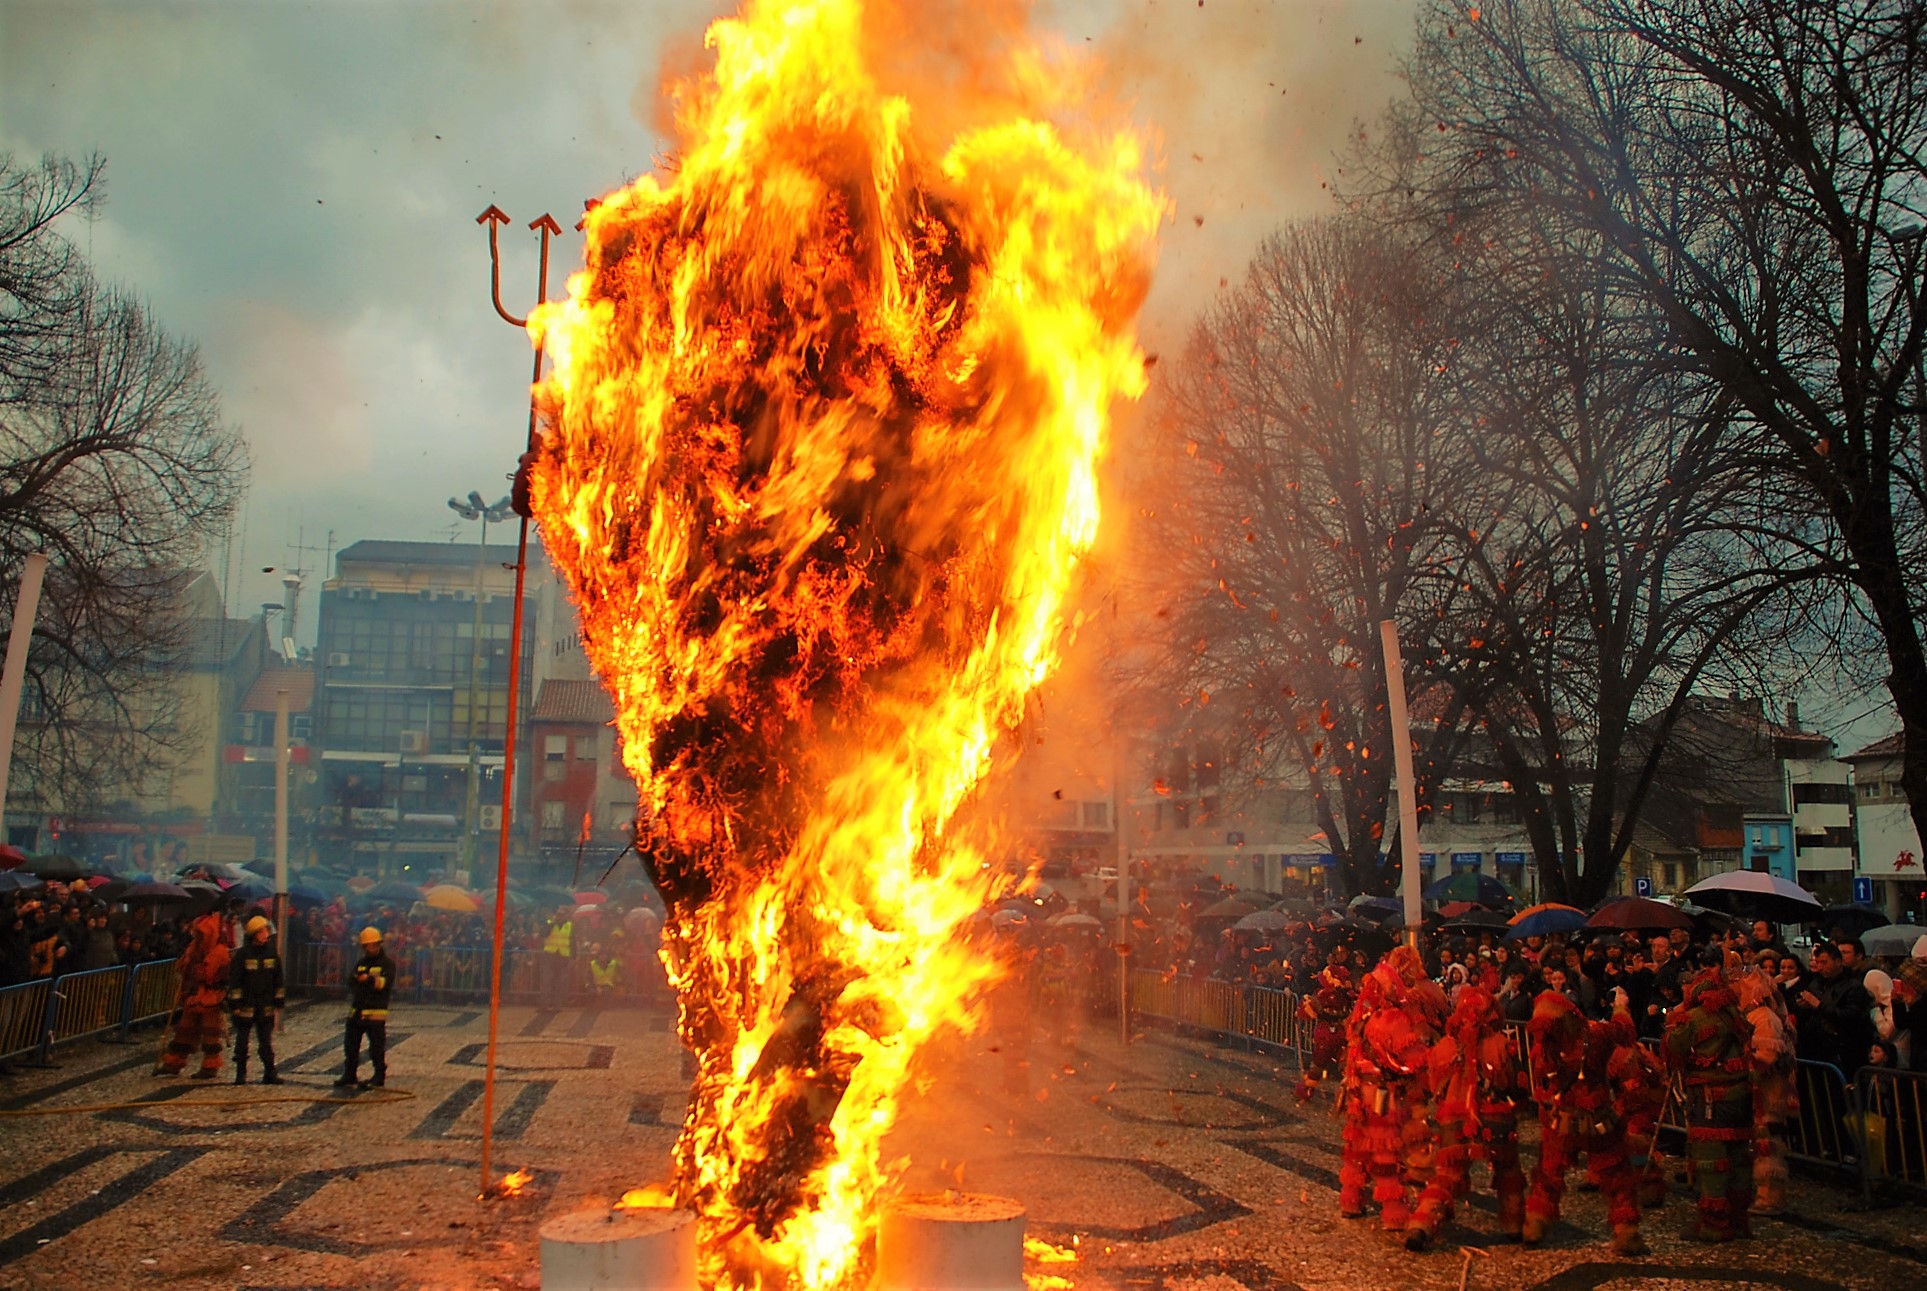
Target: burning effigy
820, 459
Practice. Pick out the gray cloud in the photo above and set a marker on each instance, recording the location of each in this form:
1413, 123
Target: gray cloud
294, 188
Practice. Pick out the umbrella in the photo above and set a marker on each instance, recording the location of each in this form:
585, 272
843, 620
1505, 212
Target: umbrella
252, 888
446, 896
392, 890
14, 881
1367, 938
1480, 889
213, 870
54, 866
1641, 913
589, 912
263, 865
591, 897
1300, 909
1256, 921
1754, 894
1895, 940
1545, 905
1009, 921
1476, 921
1378, 909
642, 922
1854, 920
1543, 921
1078, 919
11, 856
155, 893
303, 892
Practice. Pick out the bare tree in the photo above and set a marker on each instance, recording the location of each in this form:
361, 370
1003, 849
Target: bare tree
1614, 554
1300, 448
1751, 172
115, 462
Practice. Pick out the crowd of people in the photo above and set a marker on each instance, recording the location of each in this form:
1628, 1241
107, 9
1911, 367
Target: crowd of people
66, 928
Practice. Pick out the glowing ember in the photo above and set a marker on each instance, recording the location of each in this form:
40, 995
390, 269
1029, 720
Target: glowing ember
823, 428
1039, 1251
651, 1197
515, 1182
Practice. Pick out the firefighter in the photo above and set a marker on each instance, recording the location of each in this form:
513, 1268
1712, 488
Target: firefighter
203, 974
255, 997
1397, 1018
1709, 1045
369, 989
1571, 1060
1476, 1087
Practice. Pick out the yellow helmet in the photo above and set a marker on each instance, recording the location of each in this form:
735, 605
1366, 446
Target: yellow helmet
371, 936
256, 924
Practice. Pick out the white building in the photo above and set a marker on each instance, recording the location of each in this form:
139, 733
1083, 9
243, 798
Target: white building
1890, 851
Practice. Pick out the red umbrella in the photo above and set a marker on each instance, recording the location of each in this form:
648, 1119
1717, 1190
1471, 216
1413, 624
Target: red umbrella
1640, 914
10, 856
1453, 909
591, 897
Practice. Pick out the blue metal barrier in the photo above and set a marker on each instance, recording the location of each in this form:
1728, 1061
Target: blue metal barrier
48, 1011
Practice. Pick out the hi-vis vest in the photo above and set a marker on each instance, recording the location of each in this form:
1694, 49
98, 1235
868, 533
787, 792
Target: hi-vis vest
560, 936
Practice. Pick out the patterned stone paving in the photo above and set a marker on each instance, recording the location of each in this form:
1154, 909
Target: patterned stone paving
1169, 1164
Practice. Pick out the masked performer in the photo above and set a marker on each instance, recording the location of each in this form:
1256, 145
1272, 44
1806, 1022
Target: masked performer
1476, 1084
1571, 1082
1398, 1017
204, 969
1709, 1045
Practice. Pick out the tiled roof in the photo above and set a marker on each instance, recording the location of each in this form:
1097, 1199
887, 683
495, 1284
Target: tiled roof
1889, 747
298, 680
574, 701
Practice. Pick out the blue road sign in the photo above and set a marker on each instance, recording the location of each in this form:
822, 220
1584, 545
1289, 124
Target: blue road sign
1642, 886
1862, 889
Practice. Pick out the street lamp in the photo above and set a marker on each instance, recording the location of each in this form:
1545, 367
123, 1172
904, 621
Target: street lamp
476, 509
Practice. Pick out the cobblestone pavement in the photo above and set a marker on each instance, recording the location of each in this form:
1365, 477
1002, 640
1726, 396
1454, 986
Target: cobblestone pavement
1170, 1164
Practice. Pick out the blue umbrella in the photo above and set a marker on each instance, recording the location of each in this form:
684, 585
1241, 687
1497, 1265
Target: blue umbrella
302, 892
15, 881
392, 890
1479, 889
1543, 923
252, 889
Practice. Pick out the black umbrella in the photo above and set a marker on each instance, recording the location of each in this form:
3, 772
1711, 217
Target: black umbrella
1854, 920
155, 894
55, 866
1476, 921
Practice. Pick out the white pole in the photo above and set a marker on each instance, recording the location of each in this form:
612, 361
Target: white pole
14, 675
1401, 728
281, 813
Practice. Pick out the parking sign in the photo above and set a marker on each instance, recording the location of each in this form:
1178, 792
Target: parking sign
1642, 886
1862, 889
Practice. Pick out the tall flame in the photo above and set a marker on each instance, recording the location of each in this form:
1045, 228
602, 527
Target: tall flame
822, 438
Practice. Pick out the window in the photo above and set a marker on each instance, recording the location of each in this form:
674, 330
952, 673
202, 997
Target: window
1672, 876
555, 747
1474, 808
300, 727
585, 748
553, 770
1097, 815
552, 815
1817, 793
1870, 788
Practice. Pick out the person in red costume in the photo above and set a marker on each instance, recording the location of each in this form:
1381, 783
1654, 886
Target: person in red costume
1328, 1009
203, 968
1475, 1088
1709, 1046
1398, 1017
1571, 1060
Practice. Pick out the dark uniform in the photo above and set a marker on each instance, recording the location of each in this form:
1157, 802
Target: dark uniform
368, 992
255, 997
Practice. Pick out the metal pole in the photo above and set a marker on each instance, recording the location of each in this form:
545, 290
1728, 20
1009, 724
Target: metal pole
14, 675
1402, 764
471, 821
281, 815
493, 217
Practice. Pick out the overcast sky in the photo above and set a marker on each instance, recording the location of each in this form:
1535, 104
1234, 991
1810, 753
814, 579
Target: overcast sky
294, 187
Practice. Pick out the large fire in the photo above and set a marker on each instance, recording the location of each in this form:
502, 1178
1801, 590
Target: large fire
821, 450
